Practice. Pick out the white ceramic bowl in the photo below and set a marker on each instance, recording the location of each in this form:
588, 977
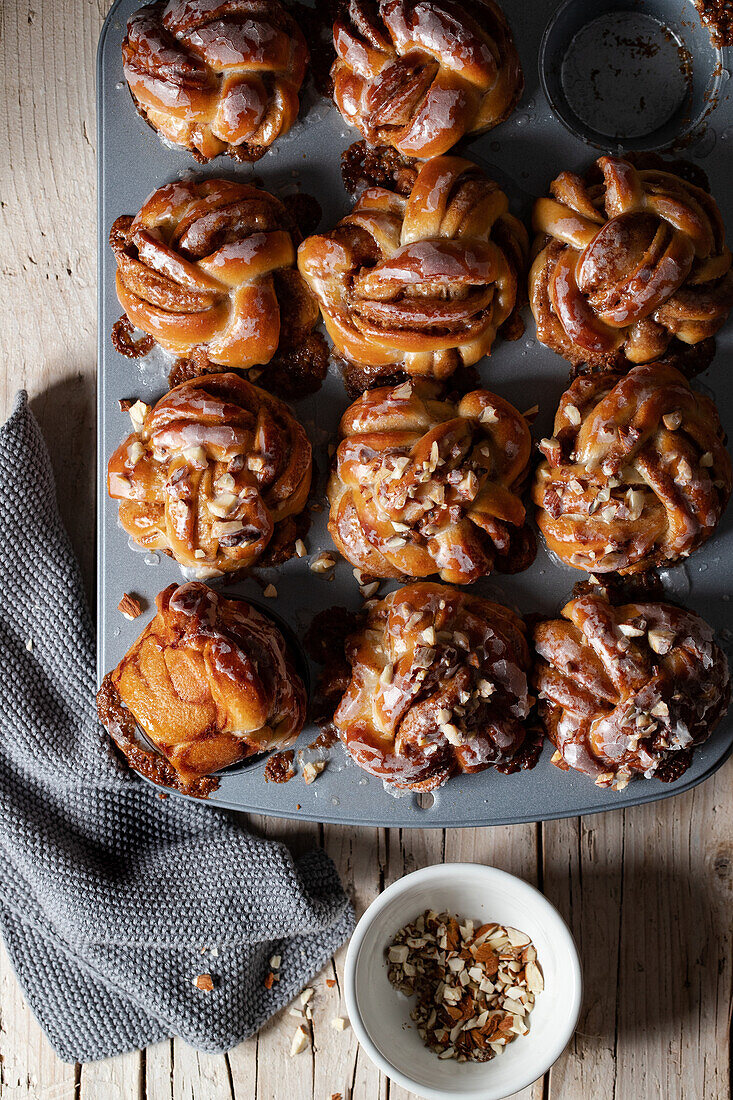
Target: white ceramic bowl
380, 1015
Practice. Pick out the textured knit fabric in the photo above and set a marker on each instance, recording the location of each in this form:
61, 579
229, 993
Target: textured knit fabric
108, 894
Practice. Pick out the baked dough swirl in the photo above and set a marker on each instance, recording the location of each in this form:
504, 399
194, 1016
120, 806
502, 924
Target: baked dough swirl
210, 682
425, 485
438, 686
213, 474
216, 76
419, 282
628, 690
419, 74
209, 265
636, 475
630, 265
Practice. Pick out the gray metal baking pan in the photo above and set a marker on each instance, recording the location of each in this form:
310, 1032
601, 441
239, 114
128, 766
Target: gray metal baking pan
523, 155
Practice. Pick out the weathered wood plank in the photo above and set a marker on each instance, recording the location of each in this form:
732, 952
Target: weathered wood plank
29, 1069
675, 955
340, 1064
582, 877
121, 1078
48, 238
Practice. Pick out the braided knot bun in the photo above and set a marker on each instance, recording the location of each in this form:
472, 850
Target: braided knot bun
419, 282
212, 475
216, 76
210, 682
628, 690
627, 264
423, 485
438, 686
637, 474
419, 74
210, 265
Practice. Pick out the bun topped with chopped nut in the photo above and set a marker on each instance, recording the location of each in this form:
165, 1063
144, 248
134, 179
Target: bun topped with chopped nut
438, 686
636, 474
628, 690
213, 475
425, 485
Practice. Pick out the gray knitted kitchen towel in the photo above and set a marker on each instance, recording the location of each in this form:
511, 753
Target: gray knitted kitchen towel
111, 899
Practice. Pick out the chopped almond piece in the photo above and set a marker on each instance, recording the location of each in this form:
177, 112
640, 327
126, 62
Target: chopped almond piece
129, 606
448, 964
204, 982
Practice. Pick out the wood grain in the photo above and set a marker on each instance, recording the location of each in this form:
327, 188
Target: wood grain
648, 892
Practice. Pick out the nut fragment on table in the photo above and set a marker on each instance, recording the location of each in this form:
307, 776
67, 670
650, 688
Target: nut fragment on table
300, 1041
475, 986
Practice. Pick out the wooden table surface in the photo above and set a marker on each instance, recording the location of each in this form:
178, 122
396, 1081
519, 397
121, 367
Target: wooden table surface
647, 892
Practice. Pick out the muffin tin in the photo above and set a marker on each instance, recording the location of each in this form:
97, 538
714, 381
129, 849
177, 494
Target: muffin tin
522, 155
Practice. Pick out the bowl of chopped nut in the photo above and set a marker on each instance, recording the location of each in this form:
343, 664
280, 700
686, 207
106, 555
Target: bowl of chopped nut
462, 982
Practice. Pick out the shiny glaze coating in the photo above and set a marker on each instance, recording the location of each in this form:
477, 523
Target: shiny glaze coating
206, 265
423, 485
209, 681
216, 465
628, 690
627, 264
216, 76
438, 686
636, 475
419, 74
421, 281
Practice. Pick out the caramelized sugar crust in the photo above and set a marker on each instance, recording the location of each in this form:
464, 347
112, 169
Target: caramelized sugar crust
419, 74
419, 281
438, 686
216, 77
636, 474
210, 682
628, 690
425, 485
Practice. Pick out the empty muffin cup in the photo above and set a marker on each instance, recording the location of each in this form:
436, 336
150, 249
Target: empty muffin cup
629, 74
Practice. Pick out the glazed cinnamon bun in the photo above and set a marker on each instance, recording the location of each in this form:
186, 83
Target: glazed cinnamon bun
424, 484
631, 265
216, 76
208, 267
215, 475
418, 76
628, 690
636, 474
419, 282
438, 686
210, 682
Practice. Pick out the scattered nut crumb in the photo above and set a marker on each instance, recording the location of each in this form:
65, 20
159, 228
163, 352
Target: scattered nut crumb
300, 548
204, 982
275, 962
129, 606
339, 1023
300, 1041
322, 562
29, 644
312, 770
270, 592
306, 995
138, 412
269, 980
330, 982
